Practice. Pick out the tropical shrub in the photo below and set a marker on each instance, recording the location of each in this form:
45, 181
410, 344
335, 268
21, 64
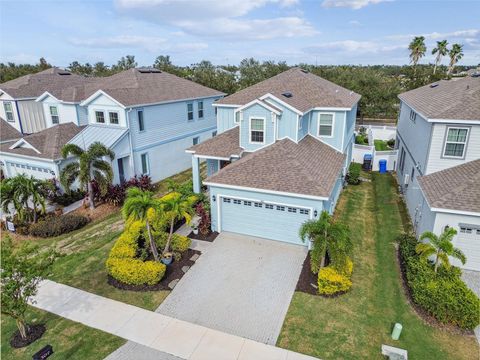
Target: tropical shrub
67, 198
58, 225
122, 263
353, 175
179, 243
331, 282
203, 211
116, 194
361, 139
443, 294
346, 268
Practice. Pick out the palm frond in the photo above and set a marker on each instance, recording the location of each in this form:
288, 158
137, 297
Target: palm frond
71, 149
69, 174
98, 150
458, 254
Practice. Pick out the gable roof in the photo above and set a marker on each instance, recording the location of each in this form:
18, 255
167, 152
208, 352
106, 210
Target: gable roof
7, 132
456, 188
224, 145
456, 99
308, 91
53, 80
48, 142
148, 86
308, 168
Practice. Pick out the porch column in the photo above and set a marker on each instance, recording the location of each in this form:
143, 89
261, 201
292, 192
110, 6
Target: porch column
196, 174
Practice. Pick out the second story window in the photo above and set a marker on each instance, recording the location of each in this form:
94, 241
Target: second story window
455, 142
100, 117
214, 133
196, 140
113, 118
325, 125
54, 115
144, 162
200, 109
257, 130
190, 111
141, 125
413, 116
7, 105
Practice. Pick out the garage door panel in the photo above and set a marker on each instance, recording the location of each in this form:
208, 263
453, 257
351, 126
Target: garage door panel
36, 172
469, 243
268, 220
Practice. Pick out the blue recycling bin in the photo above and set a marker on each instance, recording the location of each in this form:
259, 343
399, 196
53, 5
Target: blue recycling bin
382, 165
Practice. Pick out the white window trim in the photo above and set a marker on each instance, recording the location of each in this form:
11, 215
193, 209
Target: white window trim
11, 111
250, 130
147, 163
51, 115
193, 112
118, 117
333, 125
95, 116
455, 142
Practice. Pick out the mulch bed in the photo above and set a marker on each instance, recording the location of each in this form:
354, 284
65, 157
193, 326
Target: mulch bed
34, 332
307, 278
174, 271
210, 237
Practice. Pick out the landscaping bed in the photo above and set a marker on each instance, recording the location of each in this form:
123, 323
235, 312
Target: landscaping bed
210, 237
307, 282
173, 272
34, 332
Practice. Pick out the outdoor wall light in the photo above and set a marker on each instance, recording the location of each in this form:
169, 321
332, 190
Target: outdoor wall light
213, 198
315, 213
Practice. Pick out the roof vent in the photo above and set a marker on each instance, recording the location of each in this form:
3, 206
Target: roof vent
434, 85
64, 73
287, 94
149, 71
304, 71
476, 74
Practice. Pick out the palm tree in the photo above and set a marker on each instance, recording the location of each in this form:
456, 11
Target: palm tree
417, 50
90, 166
327, 236
441, 247
137, 205
441, 50
455, 53
176, 207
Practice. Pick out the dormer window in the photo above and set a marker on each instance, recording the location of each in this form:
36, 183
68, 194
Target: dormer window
100, 117
54, 115
257, 130
325, 125
7, 106
113, 118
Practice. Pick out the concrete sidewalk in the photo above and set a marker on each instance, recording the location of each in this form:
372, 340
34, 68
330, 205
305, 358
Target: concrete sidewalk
163, 333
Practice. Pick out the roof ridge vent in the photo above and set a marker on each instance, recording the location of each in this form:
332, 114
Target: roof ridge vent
287, 94
304, 71
434, 85
149, 70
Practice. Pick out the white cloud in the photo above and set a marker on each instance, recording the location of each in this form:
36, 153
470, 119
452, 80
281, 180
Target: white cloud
352, 4
459, 34
349, 46
149, 43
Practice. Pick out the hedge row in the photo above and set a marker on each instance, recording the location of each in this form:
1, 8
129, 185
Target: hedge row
57, 225
443, 294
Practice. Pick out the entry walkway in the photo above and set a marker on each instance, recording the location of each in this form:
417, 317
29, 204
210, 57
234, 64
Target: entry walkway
156, 331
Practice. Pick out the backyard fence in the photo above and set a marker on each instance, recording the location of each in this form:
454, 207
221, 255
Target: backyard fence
359, 151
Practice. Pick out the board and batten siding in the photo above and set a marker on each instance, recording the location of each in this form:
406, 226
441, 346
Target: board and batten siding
287, 122
32, 117
437, 162
256, 111
225, 119
349, 133
338, 128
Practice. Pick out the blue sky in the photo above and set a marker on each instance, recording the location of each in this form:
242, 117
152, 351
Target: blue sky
226, 31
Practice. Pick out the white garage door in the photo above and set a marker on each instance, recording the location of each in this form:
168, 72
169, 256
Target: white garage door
263, 219
37, 172
468, 240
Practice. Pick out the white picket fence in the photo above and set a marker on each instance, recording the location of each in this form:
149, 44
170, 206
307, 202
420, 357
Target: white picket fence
359, 151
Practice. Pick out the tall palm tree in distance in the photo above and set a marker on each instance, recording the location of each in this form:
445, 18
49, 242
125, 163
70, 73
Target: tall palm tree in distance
417, 50
455, 53
441, 50
89, 166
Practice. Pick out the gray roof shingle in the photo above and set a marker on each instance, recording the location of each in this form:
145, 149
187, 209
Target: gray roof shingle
307, 168
308, 91
7, 132
456, 99
49, 142
223, 145
456, 188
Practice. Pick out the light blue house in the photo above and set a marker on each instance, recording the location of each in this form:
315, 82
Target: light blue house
280, 156
146, 116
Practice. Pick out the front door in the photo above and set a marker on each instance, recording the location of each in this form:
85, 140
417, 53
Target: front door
121, 172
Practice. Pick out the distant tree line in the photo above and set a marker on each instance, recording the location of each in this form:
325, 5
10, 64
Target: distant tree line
379, 85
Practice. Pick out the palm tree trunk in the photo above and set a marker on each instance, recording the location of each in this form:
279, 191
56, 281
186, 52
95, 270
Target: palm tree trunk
167, 246
322, 262
153, 246
35, 217
435, 68
21, 327
436, 263
90, 195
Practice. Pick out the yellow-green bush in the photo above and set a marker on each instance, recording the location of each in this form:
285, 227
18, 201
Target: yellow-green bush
331, 282
179, 243
346, 269
122, 264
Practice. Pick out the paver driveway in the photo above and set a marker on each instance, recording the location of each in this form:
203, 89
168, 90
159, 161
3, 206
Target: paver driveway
242, 285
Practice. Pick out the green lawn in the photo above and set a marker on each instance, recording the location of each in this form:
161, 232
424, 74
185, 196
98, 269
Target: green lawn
355, 325
70, 340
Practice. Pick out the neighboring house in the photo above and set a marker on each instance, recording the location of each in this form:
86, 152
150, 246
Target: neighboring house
18, 97
438, 139
146, 116
280, 156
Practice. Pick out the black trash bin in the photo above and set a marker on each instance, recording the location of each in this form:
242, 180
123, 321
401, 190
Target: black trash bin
367, 162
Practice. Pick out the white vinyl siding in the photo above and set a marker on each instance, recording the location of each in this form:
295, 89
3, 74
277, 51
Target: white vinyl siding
257, 131
455, 142
325, 125
7, 105
54, 115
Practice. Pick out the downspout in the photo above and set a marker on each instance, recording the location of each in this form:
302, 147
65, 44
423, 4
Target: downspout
19, 119
132, 163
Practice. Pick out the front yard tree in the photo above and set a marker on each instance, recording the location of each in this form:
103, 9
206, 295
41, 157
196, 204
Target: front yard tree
21, 272
89, 165
137, 205
440, 247
327, 237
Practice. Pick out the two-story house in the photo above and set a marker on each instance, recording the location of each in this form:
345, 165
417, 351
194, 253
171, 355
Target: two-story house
146, 116
280, 156
438, 139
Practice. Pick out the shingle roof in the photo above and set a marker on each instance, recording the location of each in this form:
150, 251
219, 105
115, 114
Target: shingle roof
308, 91
53, 80
456, 99
7, 132
223, 145
137, 87
307, 168
456, 188
49, 142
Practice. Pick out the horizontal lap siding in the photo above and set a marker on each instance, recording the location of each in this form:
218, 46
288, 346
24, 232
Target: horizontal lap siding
338, 128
